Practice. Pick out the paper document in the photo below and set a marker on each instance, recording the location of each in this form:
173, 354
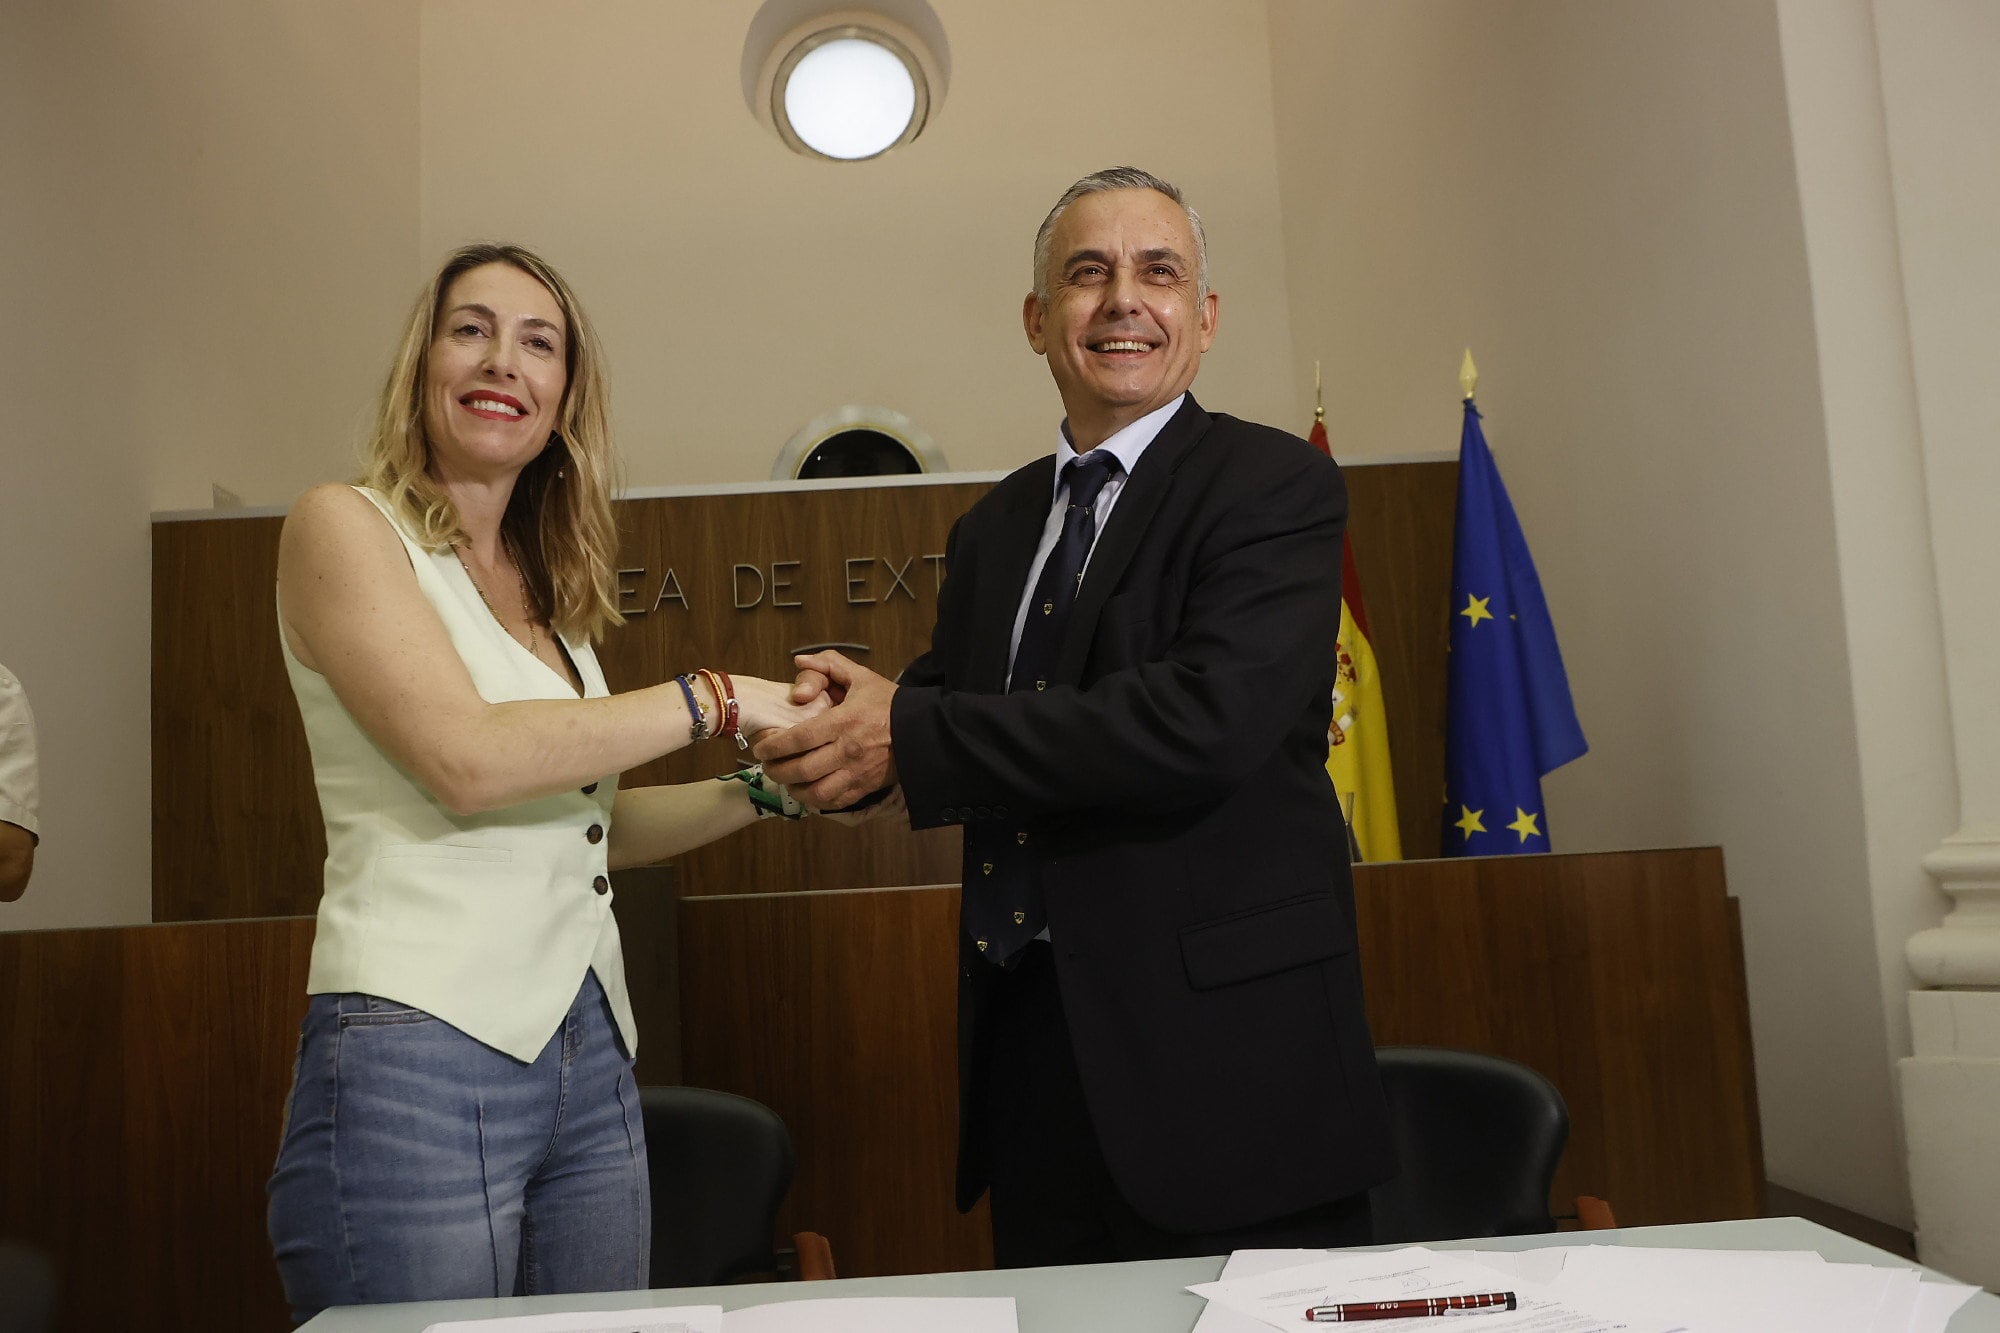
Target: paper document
851, 1314
1719, 1291
1281, 1298
878, 1314
1517, 1265
1937, 1302
1219, 1318
1682, 1291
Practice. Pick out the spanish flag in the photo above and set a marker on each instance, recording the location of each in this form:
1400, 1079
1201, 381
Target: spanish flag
1357, 744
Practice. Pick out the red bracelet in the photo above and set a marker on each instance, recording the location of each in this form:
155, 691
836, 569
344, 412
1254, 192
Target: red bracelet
732, 712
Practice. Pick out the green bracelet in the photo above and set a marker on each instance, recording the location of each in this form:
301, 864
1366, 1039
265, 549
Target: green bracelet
766, 796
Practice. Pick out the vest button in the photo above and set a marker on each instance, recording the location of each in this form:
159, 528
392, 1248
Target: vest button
601, 884
596, 834
590, 790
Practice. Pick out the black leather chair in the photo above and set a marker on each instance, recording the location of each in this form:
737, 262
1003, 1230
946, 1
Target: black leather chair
1479, 1138
27, 1291
720, 1165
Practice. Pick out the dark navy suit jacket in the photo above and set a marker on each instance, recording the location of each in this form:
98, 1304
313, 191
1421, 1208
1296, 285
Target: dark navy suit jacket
1188, 839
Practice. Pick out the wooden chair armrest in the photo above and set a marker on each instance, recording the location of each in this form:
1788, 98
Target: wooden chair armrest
815, 1261
1594, 1213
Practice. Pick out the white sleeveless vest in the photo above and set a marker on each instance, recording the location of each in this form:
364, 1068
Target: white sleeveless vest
487, 921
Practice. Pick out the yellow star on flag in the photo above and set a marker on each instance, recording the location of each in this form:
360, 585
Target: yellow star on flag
1524, 824
1468, 821
1475, 609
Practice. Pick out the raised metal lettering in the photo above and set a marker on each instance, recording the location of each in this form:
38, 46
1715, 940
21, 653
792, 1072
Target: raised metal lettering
736, 585
779, 585
896, 573
861, 579
670, 591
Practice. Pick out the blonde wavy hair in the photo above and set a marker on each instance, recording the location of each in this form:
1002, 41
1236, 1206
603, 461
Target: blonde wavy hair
558, 520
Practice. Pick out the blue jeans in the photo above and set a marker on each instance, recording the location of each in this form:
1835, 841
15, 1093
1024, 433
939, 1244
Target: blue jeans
419, 1164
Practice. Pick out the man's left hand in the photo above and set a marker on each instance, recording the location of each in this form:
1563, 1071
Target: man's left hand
844, 754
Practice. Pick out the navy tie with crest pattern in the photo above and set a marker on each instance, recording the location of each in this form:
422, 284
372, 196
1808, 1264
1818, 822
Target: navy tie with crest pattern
1003, 906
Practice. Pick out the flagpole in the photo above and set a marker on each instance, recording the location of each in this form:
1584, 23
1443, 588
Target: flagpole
1319, 399
1468, 375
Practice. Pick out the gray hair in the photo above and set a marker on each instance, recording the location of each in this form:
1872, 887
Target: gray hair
1118, 178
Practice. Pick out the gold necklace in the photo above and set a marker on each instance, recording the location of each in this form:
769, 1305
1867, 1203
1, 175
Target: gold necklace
527, 606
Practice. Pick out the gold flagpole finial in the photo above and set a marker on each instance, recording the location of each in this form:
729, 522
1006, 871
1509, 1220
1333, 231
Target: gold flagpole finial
1319, 400
1468, 375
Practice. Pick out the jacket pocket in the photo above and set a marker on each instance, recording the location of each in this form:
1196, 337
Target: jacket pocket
1264, 941
1123, 632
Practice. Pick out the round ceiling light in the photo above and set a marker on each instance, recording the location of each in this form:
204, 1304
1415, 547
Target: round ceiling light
849, 93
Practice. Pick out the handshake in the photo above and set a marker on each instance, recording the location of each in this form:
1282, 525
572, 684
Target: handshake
826, 738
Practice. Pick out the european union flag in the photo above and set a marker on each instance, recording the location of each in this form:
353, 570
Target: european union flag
1508, 715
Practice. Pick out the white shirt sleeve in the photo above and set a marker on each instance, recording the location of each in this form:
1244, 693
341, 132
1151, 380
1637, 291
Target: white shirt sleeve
20, 777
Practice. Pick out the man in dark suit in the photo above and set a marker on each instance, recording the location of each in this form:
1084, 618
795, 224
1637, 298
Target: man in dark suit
1162, 1044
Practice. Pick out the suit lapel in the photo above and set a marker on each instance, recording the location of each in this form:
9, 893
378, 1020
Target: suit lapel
1130, 517
1013, 544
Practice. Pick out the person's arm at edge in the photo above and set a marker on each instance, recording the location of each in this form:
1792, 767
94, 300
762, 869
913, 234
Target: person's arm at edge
654, 824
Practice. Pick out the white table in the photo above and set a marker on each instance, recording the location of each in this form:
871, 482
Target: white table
1125, 1298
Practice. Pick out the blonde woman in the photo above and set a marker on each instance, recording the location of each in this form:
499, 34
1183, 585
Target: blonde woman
463, 1119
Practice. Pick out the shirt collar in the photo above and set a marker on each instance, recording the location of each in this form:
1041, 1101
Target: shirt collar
1126, 445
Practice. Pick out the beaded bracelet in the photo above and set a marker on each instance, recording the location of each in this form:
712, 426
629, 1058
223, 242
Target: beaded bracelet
698, 726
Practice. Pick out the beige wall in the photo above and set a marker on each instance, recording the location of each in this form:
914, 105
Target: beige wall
73, 489
1889, 576
744, 290
210, 215
1599, 198
1941, 111
1943, 120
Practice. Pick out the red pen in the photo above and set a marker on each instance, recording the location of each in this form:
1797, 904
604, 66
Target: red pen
1353, 1311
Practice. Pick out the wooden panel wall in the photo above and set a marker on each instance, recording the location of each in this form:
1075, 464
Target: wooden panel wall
1615, 975
236, 830
236, 826
139, 1116
837, 1010
1401, 526
1619, 976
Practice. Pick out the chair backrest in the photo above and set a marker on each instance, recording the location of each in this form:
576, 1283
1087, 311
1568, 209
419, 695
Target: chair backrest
1479, 1138
720, 1165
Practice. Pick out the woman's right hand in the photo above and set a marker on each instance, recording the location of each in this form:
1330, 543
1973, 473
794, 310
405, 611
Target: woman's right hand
766, 705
